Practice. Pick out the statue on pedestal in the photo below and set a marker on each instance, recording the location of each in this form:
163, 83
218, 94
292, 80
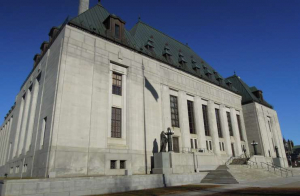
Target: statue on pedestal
163, 142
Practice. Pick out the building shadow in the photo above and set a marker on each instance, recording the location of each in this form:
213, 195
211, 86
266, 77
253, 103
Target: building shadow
149, 86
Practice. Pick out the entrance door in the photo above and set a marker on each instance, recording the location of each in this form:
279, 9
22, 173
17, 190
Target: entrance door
232, 148
175, 144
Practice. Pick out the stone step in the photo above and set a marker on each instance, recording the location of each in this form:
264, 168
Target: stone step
220, 176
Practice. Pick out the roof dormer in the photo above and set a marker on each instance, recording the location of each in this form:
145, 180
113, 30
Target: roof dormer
115, 27
53, 33
44, 47
36, 60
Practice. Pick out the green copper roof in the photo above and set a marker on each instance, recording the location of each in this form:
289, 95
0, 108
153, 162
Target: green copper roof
153, 43
246, 91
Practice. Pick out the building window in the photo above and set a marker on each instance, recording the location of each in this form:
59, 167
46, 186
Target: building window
220, 146
210, 145
43, 134
190, 106
240, 128
229, 123
24, 168
175, 144
174, 111
117, 31
219, 123
223, 146
116, 122
11, 170
122, 164
113, 164
207, 145
17, 169
194, 144
205, 119
117, 84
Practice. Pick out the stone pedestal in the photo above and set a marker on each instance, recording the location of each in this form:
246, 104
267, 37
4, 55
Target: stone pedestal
278, 162
162, 163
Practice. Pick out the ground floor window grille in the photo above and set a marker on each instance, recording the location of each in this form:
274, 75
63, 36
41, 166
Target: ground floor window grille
122, 164
113, 164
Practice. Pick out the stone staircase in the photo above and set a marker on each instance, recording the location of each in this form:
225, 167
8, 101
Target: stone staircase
220, 176
242, 173
239, 161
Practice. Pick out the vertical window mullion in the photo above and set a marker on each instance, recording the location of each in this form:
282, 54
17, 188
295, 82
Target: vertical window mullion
174, 111
190, 105
205, 119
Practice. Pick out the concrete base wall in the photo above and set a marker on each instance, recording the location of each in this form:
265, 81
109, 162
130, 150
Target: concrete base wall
94, 185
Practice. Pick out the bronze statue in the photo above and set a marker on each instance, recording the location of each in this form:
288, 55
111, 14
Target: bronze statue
163, 142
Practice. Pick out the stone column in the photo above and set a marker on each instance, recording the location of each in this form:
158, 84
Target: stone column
244, 132
199, 123
225, 130
236, 133
166, 111
212, 121
184, 120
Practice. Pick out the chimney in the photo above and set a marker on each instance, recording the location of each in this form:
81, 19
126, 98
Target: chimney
83, 6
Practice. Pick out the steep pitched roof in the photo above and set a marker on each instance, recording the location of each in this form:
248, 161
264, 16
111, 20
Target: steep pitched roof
246, 91
180, 56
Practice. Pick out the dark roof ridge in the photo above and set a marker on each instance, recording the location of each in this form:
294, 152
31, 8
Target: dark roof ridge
163, 34
243, 84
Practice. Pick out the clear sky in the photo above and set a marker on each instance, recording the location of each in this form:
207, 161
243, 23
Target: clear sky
259, 39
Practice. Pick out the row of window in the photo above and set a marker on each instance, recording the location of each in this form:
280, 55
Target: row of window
24, 169
113, 164
191, 118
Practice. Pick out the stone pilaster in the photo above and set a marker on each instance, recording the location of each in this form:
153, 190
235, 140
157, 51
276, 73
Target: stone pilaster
184, 120
236, 133
244, 132
212, 121
166, 111
199, 123
225, 130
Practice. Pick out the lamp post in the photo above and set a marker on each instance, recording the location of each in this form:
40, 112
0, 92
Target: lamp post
169, 134
254, 144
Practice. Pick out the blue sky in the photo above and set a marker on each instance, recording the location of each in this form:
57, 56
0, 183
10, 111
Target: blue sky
259, 39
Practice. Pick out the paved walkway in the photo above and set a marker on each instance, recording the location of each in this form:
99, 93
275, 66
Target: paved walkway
291, 182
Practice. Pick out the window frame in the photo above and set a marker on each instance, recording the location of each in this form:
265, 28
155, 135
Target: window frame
205, 120
174, 111
230, 128
191, 116
117, 31
219, 127
115, 121
117, 83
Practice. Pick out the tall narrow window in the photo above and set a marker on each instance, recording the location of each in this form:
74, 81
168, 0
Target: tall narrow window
196, 144
117, 31
116, 123
240, 127
219, 123
210, 145
174, 111
192, 143
43, 133
190, 106
205, 119
229, 123
117, 84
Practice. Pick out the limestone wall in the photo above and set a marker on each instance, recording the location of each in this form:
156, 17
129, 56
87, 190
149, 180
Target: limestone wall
29, 136
263, 126
95, 185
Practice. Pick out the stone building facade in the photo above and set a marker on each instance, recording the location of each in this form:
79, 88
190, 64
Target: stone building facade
99, 96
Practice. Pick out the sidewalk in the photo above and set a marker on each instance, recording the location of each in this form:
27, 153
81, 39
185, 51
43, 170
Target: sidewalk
282, 183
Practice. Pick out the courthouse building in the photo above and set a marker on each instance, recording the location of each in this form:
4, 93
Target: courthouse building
99, 96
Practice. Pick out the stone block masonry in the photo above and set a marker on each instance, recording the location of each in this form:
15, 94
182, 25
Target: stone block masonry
94, 185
